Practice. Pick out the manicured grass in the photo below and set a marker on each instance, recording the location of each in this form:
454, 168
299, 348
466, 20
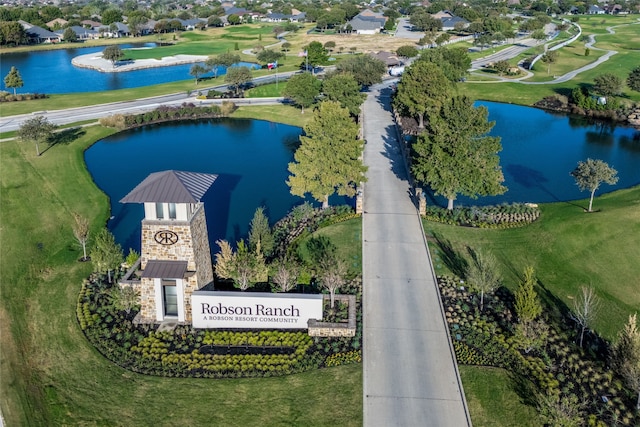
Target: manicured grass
493, 399
568, 249
275, 113
266, 91
50, 375
347, 236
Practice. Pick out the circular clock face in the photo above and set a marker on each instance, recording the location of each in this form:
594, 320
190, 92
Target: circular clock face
166, 237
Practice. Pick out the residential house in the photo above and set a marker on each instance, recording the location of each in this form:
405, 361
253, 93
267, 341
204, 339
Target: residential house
389, 58
367, 22
82, 33
449, 20
36, 35
57, 23
595, 10
88, 23
115, 30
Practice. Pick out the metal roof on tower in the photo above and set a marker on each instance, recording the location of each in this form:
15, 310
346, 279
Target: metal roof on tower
171, 187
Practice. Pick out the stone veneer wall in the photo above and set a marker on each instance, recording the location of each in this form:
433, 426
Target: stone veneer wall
201, 249
182, 250
147, 300
325, 329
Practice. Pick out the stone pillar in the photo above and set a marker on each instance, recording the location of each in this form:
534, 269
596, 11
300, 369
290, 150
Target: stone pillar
359, 199
422, 201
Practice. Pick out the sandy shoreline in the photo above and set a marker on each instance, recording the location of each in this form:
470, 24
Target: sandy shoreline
95, 61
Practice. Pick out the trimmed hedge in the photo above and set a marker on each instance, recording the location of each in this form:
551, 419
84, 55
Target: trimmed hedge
500, 216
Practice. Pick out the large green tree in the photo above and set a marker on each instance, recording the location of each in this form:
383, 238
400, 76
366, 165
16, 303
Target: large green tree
591, 173
197, 71
366, 69
223, 60
13, 79
237, 76
455, 156
302, 89
111, 16
36, 129
316, 54
11, 32
113, 54
633, 81
607, 84
329, 157
423, 89
423, 21
260, 235
343, 88
266, 56
69, 35
453, 61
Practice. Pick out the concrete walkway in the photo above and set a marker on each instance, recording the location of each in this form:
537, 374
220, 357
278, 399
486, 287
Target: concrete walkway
410, 375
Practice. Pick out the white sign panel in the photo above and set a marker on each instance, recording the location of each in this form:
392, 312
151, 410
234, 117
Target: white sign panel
254, 310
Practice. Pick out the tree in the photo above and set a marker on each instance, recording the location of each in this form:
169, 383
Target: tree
37, 129
329, 157
12, 33
286, 46
527, 304
124, 298
316, 54
560, 411
585, 309
113, 54
215, 21
330, 269
267, 55
197, 70
539, 35
286, 275
13, 79
407, 51
245, 267
423, 89
259, 232
454, 61
549, 58
330, 45
111, 16
442, 39
302, 89
633, 81
455, 156
233, 19
366, 69
482, 273
343, 88
626, 356
81, 232
607, 84
69, 35
135, 22
223, 60
502, 66
422, 21
237, 76
591, 173
106, 254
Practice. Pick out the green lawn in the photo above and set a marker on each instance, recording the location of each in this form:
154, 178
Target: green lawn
568, 249
50, 375
494, 400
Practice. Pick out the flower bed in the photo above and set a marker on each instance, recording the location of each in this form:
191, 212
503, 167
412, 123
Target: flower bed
188, 352
559, 368
500, 216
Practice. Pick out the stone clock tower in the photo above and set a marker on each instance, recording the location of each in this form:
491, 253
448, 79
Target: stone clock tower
175, 256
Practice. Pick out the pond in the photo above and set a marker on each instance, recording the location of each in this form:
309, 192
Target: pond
540, 149
251, 157
51, 72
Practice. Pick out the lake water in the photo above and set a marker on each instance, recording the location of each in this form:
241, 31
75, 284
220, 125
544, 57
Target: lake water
251, 157
51, 72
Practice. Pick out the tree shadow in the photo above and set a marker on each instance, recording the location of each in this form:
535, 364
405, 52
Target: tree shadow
524, 388
531, 178
65, 137
454, 260
217, 201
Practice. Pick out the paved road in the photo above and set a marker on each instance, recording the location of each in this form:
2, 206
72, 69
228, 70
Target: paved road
410, 375
94, 112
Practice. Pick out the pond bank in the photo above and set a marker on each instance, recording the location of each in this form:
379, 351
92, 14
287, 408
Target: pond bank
95, 61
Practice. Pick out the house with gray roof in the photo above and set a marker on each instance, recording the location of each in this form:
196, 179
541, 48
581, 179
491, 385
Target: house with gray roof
367, 22
81, 33
36, 35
